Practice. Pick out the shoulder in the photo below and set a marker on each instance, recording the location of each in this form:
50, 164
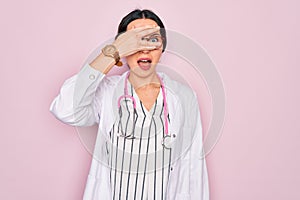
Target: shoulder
111, 81
181, 90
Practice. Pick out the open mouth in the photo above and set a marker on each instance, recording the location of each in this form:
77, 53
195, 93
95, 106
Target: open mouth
144, 60
144, 63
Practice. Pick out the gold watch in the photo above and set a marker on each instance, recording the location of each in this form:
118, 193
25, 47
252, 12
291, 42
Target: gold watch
111, 51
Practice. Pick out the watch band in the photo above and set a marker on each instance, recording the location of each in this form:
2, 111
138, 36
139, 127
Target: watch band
117, 59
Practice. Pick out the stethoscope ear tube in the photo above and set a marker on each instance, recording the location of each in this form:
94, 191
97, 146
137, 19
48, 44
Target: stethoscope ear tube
124, 97
167, 136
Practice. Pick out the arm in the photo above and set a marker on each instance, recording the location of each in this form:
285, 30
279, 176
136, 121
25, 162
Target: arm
76, 102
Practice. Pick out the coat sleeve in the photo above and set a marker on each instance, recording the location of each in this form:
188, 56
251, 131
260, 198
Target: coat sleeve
76, 103
199, 187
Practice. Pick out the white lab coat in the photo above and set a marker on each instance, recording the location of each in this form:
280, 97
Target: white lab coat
89, 97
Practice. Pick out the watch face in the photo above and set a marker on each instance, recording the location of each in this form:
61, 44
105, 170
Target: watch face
109, 49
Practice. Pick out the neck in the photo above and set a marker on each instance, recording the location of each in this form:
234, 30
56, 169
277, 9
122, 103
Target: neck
139, 82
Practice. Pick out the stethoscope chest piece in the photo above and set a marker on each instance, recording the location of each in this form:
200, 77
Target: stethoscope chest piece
168, 141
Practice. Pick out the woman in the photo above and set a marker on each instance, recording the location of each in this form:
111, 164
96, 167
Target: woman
149, 142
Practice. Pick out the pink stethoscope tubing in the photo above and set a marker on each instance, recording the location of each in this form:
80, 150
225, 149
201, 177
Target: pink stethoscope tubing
126, 95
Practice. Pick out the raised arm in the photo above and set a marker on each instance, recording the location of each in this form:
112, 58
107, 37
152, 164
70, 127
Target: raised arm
76, 103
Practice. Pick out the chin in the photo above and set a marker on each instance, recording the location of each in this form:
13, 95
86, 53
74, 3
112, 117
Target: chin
138, 71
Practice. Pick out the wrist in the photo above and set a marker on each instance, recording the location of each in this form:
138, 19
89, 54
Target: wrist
112, 51
103, 63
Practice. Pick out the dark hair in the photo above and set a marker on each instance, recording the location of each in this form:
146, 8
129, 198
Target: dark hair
142, 14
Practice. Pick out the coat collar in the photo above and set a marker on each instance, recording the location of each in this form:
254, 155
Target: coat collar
173, 90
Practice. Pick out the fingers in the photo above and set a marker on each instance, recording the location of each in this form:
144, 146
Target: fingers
142, 31
146, 45
136, 39
147, 31
139, 32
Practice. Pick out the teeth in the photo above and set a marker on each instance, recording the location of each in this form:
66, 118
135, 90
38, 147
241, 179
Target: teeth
144, 61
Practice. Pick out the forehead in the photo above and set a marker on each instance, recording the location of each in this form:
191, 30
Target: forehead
140, 23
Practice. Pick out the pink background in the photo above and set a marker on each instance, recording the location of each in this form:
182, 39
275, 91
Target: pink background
254, 45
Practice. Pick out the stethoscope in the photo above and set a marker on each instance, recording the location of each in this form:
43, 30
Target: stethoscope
166, 140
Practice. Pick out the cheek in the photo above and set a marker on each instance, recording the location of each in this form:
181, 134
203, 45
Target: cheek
156, 55
131, 60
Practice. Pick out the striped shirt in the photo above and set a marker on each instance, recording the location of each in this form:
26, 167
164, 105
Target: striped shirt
140, 166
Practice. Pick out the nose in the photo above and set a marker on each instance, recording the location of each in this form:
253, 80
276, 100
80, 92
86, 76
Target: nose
145, 51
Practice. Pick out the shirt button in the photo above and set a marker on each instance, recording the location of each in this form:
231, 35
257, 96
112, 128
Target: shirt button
92, 76
171, 168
